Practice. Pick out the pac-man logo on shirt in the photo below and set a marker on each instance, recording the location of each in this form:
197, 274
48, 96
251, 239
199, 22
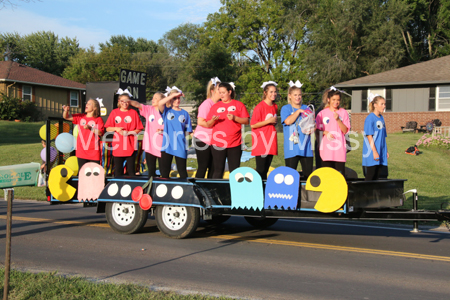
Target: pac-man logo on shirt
332, 186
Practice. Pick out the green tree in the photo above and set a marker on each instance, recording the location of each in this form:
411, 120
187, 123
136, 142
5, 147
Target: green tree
42, 50
132, 45
353, 38
427, 34
265, 37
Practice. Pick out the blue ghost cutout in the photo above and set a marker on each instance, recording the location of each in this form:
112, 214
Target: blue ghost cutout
246, 189
282, 188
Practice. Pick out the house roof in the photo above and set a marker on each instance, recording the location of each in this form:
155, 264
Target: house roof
13, 71
436, 71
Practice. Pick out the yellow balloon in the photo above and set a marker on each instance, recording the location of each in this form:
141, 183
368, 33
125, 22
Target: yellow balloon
333, 188
57, 183
53, 132
75, 131
72, 163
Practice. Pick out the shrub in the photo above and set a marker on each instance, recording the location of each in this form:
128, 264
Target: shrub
14, 108
439, 141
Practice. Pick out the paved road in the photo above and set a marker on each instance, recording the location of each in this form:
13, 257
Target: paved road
303, 259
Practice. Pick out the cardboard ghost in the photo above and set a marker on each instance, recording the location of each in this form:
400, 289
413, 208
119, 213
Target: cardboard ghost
91, 181
282, 188
246, 189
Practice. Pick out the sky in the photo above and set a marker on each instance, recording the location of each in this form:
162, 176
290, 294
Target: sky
95, 21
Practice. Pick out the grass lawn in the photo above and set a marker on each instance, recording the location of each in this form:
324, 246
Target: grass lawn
428, 172
43, 286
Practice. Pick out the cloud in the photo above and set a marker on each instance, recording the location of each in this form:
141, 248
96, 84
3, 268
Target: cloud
25, 22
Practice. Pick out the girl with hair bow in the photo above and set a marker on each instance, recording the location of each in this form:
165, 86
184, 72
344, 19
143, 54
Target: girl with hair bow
177, 123
264, 134
297, 145
203, 132
126, 124
226, 118
153, 135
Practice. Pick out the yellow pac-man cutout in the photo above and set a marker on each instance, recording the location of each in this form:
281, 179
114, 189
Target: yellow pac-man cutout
72, 163
57, 183
333, 188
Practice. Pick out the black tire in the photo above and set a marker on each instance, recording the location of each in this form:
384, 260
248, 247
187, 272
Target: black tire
218, 219
125, 218
177, 222
260, 222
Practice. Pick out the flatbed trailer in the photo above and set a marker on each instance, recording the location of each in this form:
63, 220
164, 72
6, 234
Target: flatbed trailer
210, 200
179, 204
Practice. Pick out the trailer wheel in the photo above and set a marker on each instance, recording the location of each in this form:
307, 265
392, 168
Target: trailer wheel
125, 218
218, 219
260, 222
177, 221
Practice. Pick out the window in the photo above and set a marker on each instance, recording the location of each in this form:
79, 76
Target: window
432, 99
26, 93
73, 99
364, 101
388, 100
443, 101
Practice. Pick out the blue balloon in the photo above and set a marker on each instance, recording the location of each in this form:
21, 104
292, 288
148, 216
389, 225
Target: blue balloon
65, 142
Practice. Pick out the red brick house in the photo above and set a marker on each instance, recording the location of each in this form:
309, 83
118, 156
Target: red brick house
419, 92
48, 91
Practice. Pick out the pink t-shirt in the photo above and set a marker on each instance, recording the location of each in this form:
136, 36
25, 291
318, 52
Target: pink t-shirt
204, 134
332, 150
153, 138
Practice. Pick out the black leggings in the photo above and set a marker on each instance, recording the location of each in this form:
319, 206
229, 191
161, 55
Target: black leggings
263, 165
166, 164
337, 165
373, 172
219, 157
204, 159
118, 165
82, 161
151, 164
306, 162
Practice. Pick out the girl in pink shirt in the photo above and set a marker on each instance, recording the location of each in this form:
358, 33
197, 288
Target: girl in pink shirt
153, 135
333, 123
203, 133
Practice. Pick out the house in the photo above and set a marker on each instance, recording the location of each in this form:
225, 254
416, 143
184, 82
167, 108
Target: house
48, 91
419, 92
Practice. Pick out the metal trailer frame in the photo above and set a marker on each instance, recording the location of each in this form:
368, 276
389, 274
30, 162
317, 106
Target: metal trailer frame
210, 199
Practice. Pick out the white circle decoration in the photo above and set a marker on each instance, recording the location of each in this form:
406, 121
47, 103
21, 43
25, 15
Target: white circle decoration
161, 190
113, 189
125, 191
177, 192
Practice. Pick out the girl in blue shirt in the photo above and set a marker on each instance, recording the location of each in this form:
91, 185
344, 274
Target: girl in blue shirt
177, 123
375, 153
297, 145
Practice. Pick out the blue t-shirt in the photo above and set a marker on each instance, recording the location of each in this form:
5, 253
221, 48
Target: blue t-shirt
375, 127
303, 148
176, 123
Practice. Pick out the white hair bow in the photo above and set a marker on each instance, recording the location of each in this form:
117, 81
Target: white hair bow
100, 101
297, 84
215, 81
232, 85
372, 96
168, 89
126, 91
269, 82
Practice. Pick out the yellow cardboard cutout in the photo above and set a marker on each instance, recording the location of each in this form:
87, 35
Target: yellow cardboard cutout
72, 163
57, 183
333, 186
